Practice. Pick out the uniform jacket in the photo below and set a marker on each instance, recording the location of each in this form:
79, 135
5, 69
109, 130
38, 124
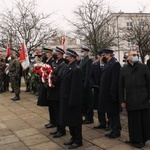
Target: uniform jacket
134, 86
70, 97
58, 69
85, 66
14, 68
108, 99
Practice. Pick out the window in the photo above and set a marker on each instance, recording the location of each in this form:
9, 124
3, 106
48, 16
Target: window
129, 25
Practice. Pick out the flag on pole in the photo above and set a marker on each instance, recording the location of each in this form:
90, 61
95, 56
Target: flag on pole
63, 43
24, 58
8, 52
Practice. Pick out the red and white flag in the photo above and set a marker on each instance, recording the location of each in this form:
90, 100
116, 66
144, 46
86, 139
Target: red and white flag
8, 51
24, 58
63, 43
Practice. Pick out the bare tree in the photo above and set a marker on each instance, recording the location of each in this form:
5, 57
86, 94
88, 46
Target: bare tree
23, 23
138, 33
90, 25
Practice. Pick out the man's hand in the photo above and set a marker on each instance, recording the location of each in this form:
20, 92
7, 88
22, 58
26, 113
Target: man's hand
123, 105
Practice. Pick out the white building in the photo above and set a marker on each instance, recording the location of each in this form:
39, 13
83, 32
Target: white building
116, 22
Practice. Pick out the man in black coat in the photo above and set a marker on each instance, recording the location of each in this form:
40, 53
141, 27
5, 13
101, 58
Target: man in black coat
109, 100
70, 100
43, 92
134, 94
54, 91
94, 79
85, 65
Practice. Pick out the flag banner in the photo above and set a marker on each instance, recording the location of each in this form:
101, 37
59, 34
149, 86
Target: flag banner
24, 58
8, 51
63, 43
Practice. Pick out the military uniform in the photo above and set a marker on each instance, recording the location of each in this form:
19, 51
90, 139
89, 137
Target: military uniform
2, 65
14, 74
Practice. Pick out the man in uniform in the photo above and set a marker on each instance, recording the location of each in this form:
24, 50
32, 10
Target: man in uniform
14, 74
54, 92
70, 100
85, 65
109, 100
2, 67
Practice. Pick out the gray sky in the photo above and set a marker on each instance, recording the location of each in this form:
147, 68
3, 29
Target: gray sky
65, 7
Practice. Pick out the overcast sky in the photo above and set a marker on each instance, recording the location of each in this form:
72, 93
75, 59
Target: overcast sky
66, 7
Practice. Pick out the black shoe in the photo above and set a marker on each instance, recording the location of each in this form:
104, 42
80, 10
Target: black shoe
114, 135
128, 142
70, 142
13, 98
100, 126
110, 133
75, 145
88, 122
59, 134
50, 125
53, 132
16, 98
12, 92
138, 145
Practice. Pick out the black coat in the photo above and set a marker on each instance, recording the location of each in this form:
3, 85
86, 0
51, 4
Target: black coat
85, 66
70, 97
108, 100
134, 86
42, 98
53, 93
94, 79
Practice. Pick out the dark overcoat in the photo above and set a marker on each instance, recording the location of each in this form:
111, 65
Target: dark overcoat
53, 93
70, 97
94, 79
42, 98
134, 86
85, 66
109, 98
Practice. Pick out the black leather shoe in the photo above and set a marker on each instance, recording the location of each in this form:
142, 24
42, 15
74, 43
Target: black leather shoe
70, 142
59, 134
53, 132
110, 133
74, 145
100, 126
128, 142
114, 135
138, 145
16, 99
50, 125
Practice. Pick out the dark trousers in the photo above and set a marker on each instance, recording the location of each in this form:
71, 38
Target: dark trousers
76, 133
87, 111
103, 120
115, 122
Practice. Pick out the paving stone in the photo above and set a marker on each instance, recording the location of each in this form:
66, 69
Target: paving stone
34, 139
105, 142
16, 124
2, 126
91, 134
8, 139
14, 146
26, 132
5, 132
46, 146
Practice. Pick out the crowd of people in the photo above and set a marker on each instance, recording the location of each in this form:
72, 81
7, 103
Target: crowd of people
73, 88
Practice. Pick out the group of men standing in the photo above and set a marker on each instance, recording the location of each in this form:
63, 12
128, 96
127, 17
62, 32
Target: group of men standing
103, 85
79, 87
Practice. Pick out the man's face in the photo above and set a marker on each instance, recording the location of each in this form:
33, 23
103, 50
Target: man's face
132, 54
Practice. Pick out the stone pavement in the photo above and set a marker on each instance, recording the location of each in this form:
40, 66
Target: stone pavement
22, 128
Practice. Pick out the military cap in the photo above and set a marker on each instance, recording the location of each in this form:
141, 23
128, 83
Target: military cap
47, 50
100, 52
85, 48
70, 52
59, 50
107, 51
